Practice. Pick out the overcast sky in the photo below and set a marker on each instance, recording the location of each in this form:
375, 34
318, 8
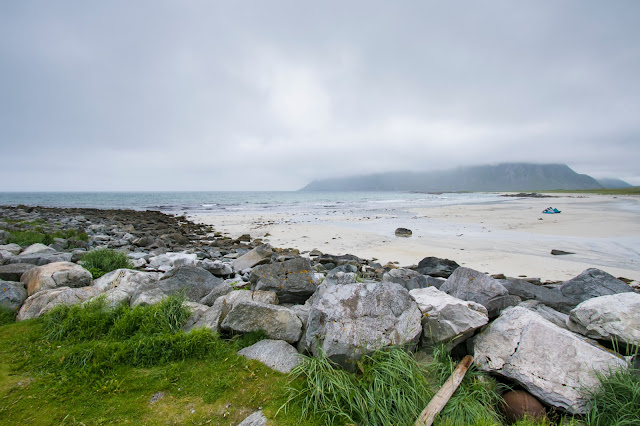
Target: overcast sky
269, 95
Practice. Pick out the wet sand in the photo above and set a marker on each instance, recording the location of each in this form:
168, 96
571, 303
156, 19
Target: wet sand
511, 236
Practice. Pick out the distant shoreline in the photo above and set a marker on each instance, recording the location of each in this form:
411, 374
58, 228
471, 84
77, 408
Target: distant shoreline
511, 236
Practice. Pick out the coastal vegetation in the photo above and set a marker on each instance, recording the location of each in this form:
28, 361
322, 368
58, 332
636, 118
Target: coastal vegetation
97, 364
391, 387
102, 261
617, 400
632, 190
93, 364
27, 237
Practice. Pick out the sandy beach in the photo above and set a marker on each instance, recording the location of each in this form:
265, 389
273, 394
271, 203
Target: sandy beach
510, 236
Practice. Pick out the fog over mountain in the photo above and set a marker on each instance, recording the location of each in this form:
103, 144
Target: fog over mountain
502, 177
613, 183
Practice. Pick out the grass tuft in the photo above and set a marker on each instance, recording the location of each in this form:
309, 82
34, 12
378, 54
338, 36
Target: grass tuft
95, 320
25, 238
102, 261
390, 388
475, 401
98, 336
7, 316
247, 339
616, 401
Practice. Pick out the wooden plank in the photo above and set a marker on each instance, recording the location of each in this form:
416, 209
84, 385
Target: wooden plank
441, 398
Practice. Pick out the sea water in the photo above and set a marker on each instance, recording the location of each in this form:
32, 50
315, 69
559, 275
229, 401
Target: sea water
315, 204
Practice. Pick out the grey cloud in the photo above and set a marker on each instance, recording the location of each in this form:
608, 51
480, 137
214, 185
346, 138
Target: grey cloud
269, 95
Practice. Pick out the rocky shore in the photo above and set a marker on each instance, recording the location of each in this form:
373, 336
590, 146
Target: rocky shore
546, 337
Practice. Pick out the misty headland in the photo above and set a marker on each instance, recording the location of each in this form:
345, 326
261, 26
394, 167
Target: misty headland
501, 177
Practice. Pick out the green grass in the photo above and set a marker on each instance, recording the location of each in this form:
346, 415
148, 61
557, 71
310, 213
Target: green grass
247, 339
617, 400
562, 421
634, 190
97, 365
476, 400
102, 261
390, 388
25, 238
7, 316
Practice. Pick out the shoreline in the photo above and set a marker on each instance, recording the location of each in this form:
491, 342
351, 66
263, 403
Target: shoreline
509, 236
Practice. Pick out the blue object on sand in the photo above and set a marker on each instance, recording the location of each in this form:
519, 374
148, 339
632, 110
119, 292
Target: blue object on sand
551, 210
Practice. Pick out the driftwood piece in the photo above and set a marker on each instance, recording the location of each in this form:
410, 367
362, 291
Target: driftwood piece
441, 398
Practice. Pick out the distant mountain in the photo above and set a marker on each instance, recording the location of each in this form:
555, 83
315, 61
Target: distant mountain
611, 183
502, 177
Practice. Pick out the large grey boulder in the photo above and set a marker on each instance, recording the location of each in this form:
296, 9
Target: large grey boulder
558, 318
553, 364
345, 274
148, 297
37, 248
615, 317
498, 304
115, 297
348, 321
434, 281
126, 279
193, 282
593, 283
293, 280
12, 295
213, 316
166, 262
41, 258
12, 248
437, 267
14, 271
5, 256
446, 319
216, 267
339, 260
468, 284
54, 275
277, 322
121, 285
220, 290
276, 354
407, 278
258, 256
552, 298
44, 301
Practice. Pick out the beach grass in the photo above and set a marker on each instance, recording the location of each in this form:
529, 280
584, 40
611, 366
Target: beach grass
7, 316
99, 365
617, 400
634, 190
391, 387
103, 260
27, 237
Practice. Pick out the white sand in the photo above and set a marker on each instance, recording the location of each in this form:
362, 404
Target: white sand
511, 237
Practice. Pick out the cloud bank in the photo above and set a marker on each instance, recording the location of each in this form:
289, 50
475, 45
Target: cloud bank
164, 95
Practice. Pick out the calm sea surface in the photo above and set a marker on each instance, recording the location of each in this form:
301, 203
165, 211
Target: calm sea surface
244, 202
